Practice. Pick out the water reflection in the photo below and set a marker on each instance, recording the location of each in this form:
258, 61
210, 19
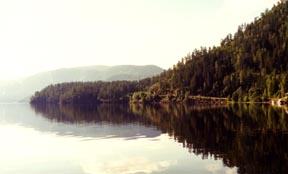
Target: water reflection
252, 138
82, 121
75, 114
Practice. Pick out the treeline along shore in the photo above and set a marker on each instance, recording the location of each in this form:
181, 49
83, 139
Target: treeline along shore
249, 66
112, 92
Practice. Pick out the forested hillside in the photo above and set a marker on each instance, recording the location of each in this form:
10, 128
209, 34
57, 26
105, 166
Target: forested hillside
86, 92
250, 65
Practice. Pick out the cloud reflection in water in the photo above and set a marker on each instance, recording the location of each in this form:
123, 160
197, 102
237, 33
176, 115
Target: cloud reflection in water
128, 166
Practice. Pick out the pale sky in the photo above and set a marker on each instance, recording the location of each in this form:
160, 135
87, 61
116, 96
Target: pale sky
42, 35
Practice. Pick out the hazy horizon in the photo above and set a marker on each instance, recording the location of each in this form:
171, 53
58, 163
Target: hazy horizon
24, 77
38, 36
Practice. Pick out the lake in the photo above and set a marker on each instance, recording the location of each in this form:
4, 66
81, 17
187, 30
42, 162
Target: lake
143, 139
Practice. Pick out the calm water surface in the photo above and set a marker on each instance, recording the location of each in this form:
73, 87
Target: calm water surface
136, 139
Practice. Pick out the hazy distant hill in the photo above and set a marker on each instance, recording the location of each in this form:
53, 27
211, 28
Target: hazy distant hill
23, 90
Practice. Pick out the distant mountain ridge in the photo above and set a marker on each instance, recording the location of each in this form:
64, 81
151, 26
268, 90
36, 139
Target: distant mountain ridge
99, 72
23, 90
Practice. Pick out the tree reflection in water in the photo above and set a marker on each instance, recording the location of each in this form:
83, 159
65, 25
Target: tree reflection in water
253, 138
